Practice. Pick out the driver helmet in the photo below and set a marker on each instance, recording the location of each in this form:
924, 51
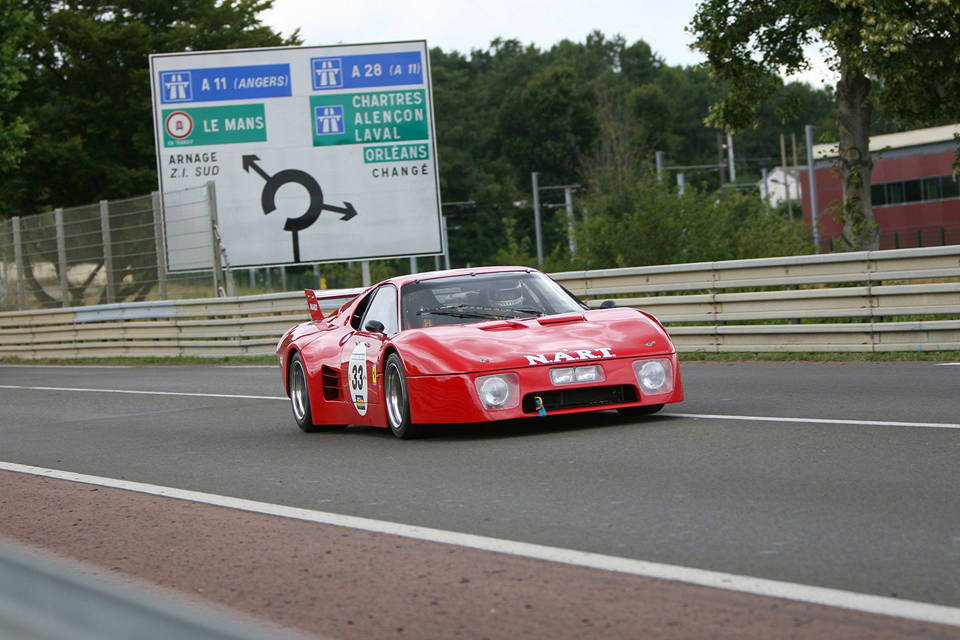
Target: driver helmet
506, 295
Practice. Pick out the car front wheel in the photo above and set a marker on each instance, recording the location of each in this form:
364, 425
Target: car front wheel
397, 399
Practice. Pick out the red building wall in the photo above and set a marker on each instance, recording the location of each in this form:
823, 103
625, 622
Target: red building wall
925, 223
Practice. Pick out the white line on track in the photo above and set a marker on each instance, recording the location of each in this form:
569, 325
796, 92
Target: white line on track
758, 586
68, 366
145, 393
246, 366
859, 423
706, 416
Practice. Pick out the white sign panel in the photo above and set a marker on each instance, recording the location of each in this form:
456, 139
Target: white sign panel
317, 153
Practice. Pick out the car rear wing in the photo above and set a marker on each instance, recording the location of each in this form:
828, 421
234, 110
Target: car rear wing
318, 299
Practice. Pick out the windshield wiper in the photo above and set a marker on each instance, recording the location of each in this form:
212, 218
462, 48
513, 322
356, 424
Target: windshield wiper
532, 312
472, 311
460, 311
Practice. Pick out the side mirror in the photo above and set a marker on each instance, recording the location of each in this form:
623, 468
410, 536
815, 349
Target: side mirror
608, 304
374, 326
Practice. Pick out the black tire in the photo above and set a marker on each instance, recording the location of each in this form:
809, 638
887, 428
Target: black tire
397, 399
299, 391
636, 412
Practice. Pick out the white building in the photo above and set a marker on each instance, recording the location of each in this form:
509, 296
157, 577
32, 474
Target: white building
776, 188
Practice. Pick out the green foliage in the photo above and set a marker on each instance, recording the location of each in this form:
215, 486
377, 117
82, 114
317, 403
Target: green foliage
589, 112
515, 250
644, 222
86, 98
544, 123
14, 25
906, 48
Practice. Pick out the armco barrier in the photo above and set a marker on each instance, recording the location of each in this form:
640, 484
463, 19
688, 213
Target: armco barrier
899, 300
249, 325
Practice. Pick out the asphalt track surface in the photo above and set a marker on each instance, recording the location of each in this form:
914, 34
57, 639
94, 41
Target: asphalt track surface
857, 490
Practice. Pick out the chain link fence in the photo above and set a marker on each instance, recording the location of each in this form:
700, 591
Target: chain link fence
108, 253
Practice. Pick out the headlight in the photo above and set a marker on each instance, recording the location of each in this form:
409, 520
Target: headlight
577, 375
654, 376
499, 391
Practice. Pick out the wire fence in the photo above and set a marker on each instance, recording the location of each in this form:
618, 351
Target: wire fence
94, 254
108, 253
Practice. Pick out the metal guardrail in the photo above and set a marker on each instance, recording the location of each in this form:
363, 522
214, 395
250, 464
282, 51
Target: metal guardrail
905, 300
897, 300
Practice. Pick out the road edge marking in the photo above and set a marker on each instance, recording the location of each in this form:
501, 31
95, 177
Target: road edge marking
862, 602
707, 416
144, 392
859, 423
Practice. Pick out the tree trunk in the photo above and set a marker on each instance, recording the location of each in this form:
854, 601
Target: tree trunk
853, 123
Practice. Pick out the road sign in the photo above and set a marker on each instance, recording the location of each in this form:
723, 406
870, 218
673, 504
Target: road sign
317, 153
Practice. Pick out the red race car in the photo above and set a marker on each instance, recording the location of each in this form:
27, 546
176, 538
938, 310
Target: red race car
472, 345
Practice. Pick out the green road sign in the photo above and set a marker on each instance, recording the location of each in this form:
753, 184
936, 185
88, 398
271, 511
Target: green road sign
369, 118
198, 126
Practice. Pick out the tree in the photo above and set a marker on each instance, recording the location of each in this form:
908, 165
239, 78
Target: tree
86, 101
643, 221
909, 47
86, 98
14, 23
545, 124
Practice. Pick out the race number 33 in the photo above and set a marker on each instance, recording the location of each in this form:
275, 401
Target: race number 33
357, 372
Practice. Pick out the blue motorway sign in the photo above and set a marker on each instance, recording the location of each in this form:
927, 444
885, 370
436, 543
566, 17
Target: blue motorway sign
364, 71
225, 83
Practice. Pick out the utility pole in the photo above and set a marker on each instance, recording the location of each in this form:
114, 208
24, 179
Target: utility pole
733, 169
463, 204
786, 174
571, 235
720, 165
814, 214
681, 183
568, 190
536, 216
765, 191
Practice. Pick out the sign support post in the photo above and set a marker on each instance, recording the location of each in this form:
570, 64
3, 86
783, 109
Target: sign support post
158, 240
218, 281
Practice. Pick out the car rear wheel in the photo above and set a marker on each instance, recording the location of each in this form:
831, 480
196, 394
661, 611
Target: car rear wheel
635, 412
397, 399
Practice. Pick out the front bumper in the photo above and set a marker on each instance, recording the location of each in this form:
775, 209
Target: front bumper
452, 399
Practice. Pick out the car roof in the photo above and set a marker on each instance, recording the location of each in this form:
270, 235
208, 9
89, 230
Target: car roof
400, 281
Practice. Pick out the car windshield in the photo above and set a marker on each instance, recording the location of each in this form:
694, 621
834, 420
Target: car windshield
486, 296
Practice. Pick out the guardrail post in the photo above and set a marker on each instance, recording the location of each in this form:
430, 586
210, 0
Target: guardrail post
62, 257
160, 244
107, 248
18, 258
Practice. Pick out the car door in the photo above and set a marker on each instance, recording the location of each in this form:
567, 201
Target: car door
373, 325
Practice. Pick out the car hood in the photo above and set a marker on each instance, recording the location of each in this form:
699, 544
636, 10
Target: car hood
549, 340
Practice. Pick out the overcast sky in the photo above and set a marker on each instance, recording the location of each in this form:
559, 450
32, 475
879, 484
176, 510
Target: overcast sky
455, 25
